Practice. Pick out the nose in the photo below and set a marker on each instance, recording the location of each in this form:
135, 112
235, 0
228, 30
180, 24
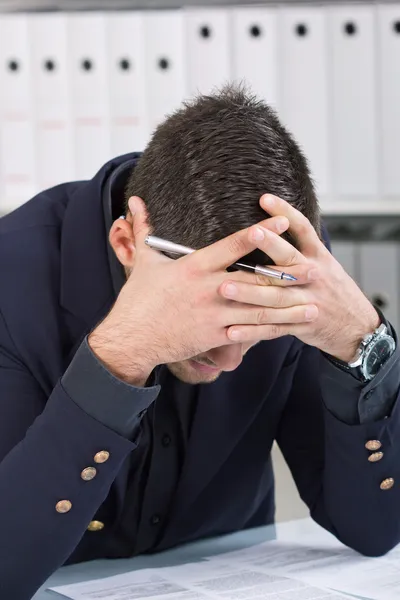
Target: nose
226, 358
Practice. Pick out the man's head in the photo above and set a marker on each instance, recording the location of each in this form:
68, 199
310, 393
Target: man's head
201, 177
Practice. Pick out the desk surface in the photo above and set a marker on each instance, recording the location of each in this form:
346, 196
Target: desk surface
189, 553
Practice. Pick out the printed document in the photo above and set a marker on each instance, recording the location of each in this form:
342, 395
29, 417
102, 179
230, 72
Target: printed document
198, 581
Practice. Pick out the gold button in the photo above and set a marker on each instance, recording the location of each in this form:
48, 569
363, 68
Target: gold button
102, 457
95, 526
88, 473
63, 506
373, 445
375, 456
387, 483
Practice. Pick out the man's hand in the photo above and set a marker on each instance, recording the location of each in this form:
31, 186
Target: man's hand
324, 308
170, 310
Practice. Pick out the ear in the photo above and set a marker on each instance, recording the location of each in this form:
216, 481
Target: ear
122, 241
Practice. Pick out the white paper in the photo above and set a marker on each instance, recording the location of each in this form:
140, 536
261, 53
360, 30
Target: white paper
135, 585
327, 564
206, 580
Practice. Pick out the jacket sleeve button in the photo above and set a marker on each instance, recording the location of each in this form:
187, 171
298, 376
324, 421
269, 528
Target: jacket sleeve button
63, 506
375, 456
387, 483
88, 473
101, 457
373, 445
95, 526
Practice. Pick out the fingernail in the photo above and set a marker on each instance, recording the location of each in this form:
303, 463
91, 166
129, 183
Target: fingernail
234, 334
311, 313
257, 234
131, 204
282, 224
230, 289
268, 200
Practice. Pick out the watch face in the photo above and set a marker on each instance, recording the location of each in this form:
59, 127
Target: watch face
378, 355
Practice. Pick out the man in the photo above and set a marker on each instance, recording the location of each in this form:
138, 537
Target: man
140, 395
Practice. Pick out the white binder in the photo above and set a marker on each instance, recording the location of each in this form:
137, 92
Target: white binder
207, 49
389, 96
379, 275
16, 113
353, 89
304, 86
126, 82
87, 52
52, 99
255, 51
164, 64
347, 254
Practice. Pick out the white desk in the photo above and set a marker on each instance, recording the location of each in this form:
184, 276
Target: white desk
189, 553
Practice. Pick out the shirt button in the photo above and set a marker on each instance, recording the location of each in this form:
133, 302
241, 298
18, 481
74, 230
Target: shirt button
88, 473
63, 506
373, 445
166, 440
101, 457
95, 526
375, 456
155, 519
387, 483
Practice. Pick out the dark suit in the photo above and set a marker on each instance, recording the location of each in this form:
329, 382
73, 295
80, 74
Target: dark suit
55, 286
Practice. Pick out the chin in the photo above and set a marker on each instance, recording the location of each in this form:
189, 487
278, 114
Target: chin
188, 374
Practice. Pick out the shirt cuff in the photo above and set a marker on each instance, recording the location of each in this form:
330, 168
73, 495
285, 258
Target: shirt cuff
109, 400
355, 402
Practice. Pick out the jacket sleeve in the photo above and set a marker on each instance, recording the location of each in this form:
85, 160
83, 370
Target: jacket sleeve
354, 401
329, 462
45, 443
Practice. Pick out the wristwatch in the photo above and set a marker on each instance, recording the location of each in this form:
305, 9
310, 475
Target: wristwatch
375, 349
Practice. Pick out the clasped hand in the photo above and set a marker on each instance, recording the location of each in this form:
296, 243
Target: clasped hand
324, 308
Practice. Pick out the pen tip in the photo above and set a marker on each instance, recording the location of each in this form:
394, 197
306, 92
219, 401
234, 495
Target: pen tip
289, 277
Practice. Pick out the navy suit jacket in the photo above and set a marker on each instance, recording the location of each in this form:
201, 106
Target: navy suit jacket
55, 287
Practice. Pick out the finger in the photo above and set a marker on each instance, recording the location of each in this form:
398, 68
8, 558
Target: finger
225, 252
300, 226
141, 229
261, 315
269, 296
257, 333
280, 250
304, 273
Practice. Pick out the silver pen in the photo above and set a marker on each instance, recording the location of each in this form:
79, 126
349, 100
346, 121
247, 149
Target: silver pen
166, 246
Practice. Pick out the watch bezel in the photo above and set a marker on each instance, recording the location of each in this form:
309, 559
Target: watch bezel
370, 347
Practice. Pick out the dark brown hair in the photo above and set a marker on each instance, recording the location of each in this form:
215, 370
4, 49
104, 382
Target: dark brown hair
206, 166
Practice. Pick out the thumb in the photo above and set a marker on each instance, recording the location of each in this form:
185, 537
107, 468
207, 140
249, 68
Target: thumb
141, 229
140, 225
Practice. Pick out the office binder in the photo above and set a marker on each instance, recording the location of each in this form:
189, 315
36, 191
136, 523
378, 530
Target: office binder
255, 51
17, 143
126, 82
379, 277
164, 64
207, 49
304, 86
353, 89
388, 89
347, 254
87, 53
52, 99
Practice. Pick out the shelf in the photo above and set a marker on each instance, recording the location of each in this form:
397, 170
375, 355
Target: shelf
71, 5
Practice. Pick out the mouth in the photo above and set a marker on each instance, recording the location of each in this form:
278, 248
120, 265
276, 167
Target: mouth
203, 368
